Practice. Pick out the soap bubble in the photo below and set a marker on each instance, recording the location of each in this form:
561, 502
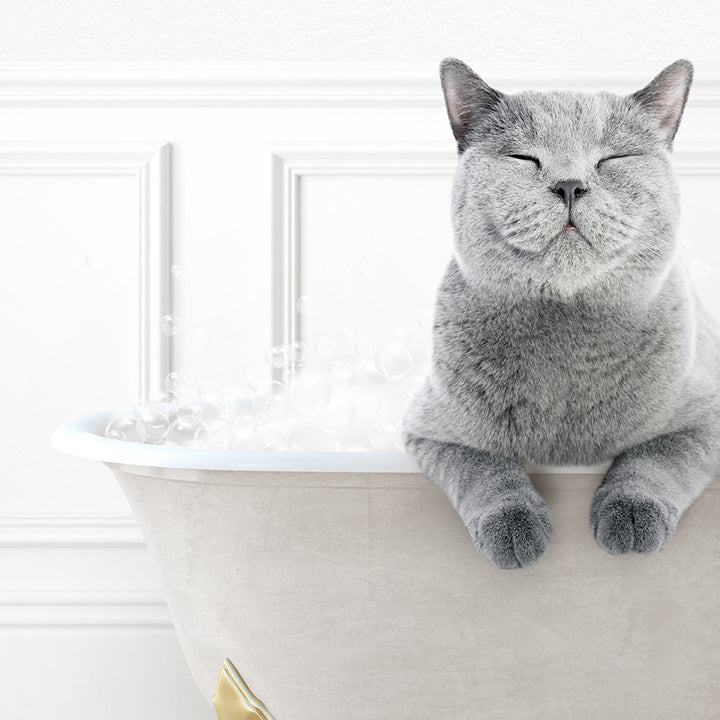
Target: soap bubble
338, 414
169, 400
354, 448
275, 436
394, 359
365, 347
413, 383
140, 403
209, 409
366, 375
182, 430
347, 394
277, 357
297, 352
292, 372
394, 398
309, 392
367, 404
277, 405
341, 372
324, 346
122, 427
169, 324
345, 342
419, 344
161, 397
234, 401
367, 384
244, 433
191, 409
177, 381
179, 388
215, 433
306, 305
312, 438
400, 335
383, 437
152, 425
199, 339
259, 381
276, 387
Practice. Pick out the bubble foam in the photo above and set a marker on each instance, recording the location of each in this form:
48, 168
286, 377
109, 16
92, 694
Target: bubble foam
342, 393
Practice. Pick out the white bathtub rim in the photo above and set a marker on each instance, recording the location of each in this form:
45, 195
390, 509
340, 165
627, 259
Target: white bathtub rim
84, 437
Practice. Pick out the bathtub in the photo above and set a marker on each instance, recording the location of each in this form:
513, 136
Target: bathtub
343, 586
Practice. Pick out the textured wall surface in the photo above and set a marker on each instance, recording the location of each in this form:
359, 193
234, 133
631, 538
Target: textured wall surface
359, 30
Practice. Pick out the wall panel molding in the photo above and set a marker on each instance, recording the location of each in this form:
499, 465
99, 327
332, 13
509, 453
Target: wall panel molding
83, 610
149, 163
292, 162
70, 531
306, 84
77, 607
697, 158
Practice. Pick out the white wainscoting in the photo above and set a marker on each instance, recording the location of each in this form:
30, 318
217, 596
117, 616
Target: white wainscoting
149, 165
84, 628
258, 184
292, 279
87, 572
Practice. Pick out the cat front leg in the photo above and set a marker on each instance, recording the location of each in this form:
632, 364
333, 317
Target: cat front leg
648, 487
504, 513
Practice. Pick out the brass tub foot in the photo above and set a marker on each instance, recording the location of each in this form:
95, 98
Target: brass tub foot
233, 699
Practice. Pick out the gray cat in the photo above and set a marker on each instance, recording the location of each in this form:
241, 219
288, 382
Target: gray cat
565, 330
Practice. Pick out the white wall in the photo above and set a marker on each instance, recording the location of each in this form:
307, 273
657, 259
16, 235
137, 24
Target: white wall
109, 173
523, 31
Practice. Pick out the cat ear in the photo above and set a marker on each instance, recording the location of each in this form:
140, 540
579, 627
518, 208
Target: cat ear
666, 95
467, 97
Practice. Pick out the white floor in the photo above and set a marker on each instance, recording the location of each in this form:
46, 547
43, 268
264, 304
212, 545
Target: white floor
97, 674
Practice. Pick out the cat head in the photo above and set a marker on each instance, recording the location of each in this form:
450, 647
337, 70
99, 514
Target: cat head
559, 192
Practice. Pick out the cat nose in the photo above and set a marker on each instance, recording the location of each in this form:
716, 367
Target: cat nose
569, 190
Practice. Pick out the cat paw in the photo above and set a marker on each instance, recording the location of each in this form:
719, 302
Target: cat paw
623, 521
514, 533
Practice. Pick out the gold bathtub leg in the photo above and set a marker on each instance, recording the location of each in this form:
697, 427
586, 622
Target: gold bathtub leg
233, 699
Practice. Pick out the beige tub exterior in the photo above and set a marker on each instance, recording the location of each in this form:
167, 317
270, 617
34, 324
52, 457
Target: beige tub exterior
360, 596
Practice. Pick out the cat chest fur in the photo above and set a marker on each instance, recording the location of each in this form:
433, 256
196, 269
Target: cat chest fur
558, 383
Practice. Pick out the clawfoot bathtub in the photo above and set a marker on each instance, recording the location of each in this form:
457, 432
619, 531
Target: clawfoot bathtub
343, 586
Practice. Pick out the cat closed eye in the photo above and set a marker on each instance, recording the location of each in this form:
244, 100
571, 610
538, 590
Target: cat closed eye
615, 157
526, 157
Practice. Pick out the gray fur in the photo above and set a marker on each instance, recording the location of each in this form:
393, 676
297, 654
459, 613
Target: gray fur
565, 348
